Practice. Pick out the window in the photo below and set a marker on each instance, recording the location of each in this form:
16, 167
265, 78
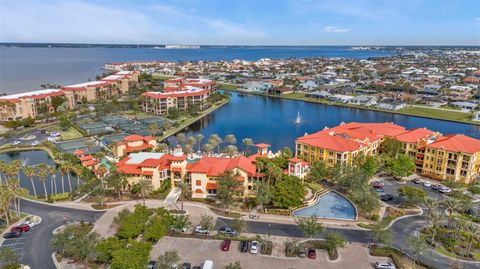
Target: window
198, 183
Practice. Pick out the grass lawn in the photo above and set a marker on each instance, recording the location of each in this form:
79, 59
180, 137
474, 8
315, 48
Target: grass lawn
295, 95
442, 250
436, 113
227, 86
71, 133
160, 76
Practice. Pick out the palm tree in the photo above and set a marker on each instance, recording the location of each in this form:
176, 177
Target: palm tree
436, 218
145, 186
259, 165
473, 231
153, 129
52, 170
162, 147
199, 138
191, 140
2, 170
184, 192
66, 168
42, 172
208, 147
451, 204
215, 141
231, 150
78, 170
431, 204
16, 165
30, 172
248, 142
231, 139
180, 138
6, 197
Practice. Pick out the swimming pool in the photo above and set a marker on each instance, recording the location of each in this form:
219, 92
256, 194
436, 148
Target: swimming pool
331, 205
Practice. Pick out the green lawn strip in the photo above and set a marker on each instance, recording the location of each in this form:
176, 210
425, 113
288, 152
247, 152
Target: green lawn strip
440, 249
436, 113
189, 121
71, 133
225, 86
161, 76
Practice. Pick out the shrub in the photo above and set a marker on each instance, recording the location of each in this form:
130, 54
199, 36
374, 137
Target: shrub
474, 189
134, 224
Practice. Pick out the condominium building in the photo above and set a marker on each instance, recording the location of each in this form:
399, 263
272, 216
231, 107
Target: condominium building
158, 103
27, 104
449, 157
341, 144
104, 89
173, 84
452, 157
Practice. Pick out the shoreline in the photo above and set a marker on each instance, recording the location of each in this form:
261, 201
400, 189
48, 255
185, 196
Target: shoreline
191, 121
344, 105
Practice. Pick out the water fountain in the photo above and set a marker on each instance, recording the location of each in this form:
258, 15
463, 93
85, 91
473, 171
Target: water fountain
298, 120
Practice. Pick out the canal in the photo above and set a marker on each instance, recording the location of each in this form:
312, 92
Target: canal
34, 158
272, 120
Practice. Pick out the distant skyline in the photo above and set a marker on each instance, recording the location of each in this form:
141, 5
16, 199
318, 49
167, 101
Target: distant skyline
245, 22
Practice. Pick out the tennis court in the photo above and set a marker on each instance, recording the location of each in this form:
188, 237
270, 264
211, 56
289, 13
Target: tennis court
96, 128
88, 145
109, 139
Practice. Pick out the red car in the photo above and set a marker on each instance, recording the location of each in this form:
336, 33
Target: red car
312, 254
21, 228
226, 245
378, 185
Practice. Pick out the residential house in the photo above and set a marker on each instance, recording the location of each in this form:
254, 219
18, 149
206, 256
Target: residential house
27, 104
134, 143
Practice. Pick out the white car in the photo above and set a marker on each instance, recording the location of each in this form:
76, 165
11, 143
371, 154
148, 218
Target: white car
445, 190
201, 230
14, 143
35, 143
427, 184
254, 247
385, 265
30, 223
54, 134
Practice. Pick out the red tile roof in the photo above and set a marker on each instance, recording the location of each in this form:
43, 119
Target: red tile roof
262, 145
133, 138
415, 135
211, 185
457, 143
213, 166
86, 158
90, 163
79, 152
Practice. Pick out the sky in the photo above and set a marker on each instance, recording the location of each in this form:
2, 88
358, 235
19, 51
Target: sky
242, 22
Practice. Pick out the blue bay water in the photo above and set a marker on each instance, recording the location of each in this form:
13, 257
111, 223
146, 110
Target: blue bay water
26, 68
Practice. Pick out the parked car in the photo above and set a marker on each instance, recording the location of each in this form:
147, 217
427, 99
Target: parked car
201, 230
384, 265
417, 181
14, 234
312, 254
35, 143
472, 212
427, 184
226, 245
14, 143
30, 223
445, 190
386, 197
21, 228
244, 246
254, 247
208, 264
378, 185
182, 230
302, 253
436, 186
228, 231
186, 265
54, 134
152, 265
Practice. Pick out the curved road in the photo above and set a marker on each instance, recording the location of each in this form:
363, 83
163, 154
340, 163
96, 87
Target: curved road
36, 252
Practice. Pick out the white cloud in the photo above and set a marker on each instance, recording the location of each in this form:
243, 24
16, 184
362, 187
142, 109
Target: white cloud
335, 29
80, 21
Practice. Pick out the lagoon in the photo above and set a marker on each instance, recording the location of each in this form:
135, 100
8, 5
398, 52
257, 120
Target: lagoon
35, 157
272, 120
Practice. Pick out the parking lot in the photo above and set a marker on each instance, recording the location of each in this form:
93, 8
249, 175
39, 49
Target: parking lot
16, 244
196, 251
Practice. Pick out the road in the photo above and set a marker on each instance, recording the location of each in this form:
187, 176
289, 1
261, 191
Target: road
35, 250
